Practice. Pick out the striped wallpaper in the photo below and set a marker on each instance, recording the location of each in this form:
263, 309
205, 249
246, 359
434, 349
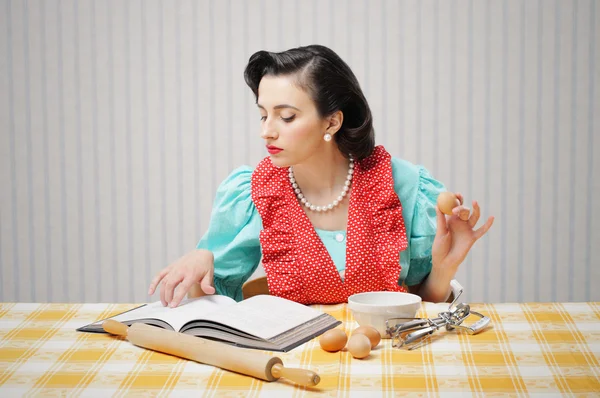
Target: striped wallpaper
118, 120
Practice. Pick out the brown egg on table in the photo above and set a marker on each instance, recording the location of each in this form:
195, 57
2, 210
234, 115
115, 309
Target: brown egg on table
333, 340
370, 332
359, 346
447, 201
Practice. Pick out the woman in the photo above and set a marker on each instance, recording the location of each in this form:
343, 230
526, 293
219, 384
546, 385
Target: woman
329, 213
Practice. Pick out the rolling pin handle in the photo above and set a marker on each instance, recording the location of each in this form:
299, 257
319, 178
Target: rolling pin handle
303, 377
114, 327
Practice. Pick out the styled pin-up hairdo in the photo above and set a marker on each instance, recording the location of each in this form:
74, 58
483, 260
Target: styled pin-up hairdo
330, 82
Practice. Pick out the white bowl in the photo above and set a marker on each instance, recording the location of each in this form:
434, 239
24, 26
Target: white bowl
374, 308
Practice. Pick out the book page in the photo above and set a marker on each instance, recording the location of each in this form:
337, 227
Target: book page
264, 316
188, 310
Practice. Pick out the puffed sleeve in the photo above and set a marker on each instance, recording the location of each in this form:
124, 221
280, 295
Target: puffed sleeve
233, 234
418, 192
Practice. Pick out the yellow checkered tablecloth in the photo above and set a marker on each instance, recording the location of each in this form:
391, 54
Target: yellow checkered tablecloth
540, 349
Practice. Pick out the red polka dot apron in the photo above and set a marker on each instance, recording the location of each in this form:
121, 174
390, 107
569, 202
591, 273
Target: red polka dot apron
296, 262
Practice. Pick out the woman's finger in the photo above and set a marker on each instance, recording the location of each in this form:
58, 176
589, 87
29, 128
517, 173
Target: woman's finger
157, 280
182, 290
484, 228
206, 284
170, 286
162, 291
475, 216
461, 212
460, 197
442, 227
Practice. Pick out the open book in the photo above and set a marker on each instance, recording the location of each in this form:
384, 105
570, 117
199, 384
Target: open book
262, 322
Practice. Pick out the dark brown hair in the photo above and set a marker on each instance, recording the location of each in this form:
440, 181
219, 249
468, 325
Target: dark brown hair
332, 86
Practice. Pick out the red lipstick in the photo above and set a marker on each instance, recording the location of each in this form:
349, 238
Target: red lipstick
273, 149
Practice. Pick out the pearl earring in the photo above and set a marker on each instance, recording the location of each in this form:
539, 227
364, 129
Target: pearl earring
327, 137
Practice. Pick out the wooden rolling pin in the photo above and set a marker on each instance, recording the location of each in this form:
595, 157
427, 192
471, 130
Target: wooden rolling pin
245, 361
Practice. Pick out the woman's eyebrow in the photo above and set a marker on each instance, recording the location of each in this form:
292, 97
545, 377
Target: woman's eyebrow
282, 106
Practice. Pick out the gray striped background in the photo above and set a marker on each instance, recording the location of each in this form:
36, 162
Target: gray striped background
118, 119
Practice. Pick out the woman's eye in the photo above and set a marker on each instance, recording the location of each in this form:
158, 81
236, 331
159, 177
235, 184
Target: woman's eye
263, 118
288, 119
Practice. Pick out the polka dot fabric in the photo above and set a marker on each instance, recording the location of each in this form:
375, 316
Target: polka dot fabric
297, 264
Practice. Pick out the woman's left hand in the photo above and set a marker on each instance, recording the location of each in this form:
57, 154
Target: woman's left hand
456, 235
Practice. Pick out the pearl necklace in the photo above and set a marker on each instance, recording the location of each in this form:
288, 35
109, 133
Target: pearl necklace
330, 206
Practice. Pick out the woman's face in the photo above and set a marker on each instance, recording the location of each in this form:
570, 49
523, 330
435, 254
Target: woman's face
290, 124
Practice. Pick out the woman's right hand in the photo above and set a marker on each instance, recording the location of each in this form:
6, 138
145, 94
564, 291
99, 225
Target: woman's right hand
178, 278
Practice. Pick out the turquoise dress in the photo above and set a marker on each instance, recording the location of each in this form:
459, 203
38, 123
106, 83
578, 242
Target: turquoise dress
235, 225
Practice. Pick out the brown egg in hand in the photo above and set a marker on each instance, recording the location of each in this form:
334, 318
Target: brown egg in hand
371, 333
447, 201
359, 346
333, 340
